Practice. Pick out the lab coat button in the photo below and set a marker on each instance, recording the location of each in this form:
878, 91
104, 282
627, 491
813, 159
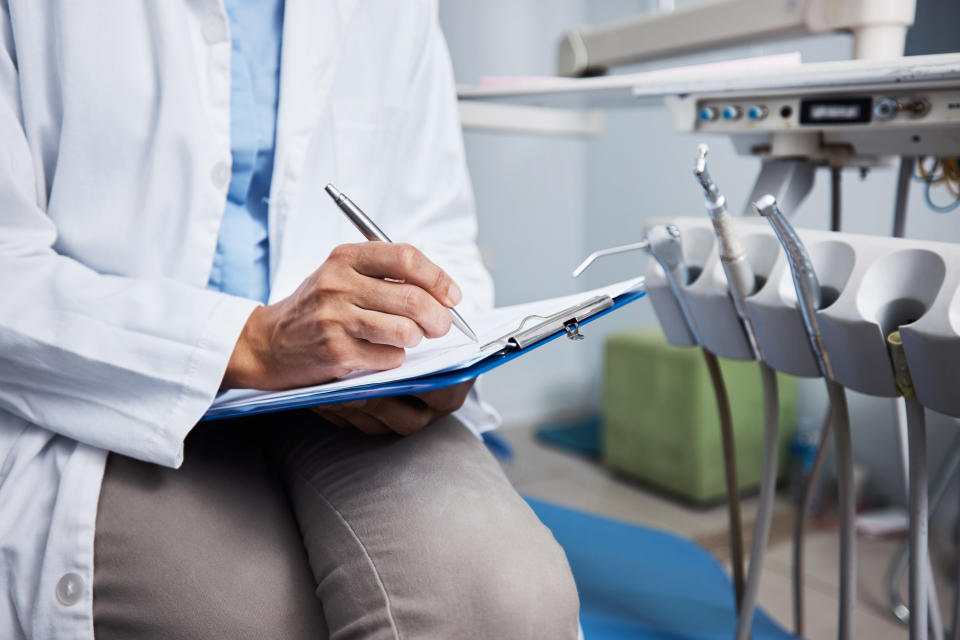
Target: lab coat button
215, 30
70, 589
220, 175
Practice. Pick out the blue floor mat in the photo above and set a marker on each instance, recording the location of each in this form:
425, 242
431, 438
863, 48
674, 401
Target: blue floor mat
636, 582
580, 436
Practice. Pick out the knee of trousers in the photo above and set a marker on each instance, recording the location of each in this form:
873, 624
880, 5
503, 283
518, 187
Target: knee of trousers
521, 585
483, 560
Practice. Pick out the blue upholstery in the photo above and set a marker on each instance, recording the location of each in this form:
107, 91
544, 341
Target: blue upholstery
636, 582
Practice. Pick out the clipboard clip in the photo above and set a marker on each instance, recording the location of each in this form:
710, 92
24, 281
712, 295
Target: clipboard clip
567, 321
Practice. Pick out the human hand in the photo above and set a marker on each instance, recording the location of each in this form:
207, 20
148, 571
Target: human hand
397, 414
345, 317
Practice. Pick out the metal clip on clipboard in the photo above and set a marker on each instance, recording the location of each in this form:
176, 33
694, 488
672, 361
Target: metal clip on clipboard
567, 320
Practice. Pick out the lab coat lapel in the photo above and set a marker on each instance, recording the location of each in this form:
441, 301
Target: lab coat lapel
310, 50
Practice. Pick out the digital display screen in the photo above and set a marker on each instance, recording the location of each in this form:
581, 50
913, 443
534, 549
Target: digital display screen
835, 110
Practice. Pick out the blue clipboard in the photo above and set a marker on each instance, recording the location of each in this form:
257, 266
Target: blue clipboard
419, 384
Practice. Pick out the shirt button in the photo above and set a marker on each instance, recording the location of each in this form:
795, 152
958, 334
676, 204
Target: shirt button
70, 589
220, 175
215, 30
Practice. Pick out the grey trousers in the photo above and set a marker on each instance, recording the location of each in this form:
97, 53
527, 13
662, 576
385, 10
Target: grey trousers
288, 527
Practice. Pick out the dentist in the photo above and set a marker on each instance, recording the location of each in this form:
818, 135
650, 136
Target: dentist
164, 234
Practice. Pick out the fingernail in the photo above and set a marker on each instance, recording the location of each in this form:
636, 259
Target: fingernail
454, 295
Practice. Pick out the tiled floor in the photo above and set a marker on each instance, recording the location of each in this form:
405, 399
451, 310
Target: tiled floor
546, 473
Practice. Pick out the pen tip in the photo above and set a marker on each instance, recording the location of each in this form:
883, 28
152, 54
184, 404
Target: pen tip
332, 190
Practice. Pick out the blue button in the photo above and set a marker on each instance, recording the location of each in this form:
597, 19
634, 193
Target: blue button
708, 114
732, 113
757, 113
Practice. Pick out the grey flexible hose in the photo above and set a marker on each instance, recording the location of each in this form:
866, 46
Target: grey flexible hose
921, 575
730, 469
768, 491
917, 434
898, 563
800, 527
933, 604
840, 417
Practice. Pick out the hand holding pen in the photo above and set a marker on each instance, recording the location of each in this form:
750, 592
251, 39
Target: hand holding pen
346, 316
372, 232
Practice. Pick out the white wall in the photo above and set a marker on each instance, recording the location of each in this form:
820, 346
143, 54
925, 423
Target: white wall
545, 203
530, 191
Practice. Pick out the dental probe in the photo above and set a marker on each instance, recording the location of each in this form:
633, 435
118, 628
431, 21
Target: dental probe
741, 283
809, 298
643, 245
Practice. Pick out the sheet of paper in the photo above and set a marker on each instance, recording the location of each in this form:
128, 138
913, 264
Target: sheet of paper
452, 351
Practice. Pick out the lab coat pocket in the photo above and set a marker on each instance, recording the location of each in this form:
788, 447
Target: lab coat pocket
365, 143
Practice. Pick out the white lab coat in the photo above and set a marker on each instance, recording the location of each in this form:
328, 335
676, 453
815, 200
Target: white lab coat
114, 164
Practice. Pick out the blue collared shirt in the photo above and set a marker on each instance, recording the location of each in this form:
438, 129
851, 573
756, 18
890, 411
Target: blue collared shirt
241, 264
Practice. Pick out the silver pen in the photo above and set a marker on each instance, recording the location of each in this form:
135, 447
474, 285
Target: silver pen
371, 231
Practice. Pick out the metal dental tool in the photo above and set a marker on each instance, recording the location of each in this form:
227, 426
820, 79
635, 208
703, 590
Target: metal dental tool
809, 299
663, 242
809, 296
741, 282
643, 245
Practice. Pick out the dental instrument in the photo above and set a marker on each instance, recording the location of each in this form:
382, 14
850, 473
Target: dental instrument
741, 282
813, 478
809, 298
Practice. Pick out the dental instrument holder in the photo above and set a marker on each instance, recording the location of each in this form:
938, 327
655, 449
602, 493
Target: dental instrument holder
870, 285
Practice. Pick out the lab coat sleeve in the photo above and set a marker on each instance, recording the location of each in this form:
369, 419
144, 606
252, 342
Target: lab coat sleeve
124, 364
431, 185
